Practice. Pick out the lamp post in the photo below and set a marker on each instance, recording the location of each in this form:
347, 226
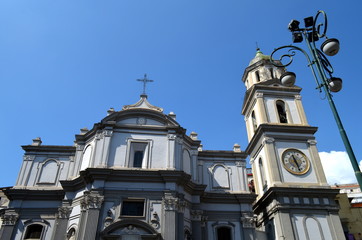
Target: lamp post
320, 66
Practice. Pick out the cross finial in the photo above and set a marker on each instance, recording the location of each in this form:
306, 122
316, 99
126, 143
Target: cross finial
145, 81
257, 46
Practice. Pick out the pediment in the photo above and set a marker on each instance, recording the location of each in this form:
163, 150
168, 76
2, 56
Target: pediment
141, 118
130, 229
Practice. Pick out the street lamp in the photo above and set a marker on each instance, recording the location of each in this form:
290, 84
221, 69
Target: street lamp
318, 63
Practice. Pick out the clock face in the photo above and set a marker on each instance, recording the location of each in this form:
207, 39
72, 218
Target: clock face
295, 161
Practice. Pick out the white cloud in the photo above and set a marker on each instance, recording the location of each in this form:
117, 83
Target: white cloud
337, 167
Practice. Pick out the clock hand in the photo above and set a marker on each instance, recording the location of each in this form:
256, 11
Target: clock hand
296, 162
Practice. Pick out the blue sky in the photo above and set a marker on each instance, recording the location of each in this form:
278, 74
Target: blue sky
63, 64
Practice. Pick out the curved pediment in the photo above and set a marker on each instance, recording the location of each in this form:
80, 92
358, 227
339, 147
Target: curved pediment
141, 121
130, 227
143, 104
141, 117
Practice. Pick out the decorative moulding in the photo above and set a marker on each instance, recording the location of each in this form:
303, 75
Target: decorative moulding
143, 104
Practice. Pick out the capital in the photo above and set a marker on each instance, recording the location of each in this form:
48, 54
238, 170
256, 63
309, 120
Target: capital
10, 218
29, 157
91, 200
64, 211
196, 215
268, 140
247, 220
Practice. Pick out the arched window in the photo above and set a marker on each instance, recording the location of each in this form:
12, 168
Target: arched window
271, 70
34, 231
262, 173
253, 119
71, 234
223, 233
282, 114
257, 76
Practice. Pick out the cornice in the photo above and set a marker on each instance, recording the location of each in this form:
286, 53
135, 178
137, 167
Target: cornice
223, 154
225, 197
253, 66
271, 130
34, 194
275, 193
50, 148
132, 175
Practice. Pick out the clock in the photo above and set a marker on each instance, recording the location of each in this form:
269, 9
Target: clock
296, 162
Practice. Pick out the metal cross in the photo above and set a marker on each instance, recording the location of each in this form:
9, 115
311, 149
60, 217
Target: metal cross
145, 81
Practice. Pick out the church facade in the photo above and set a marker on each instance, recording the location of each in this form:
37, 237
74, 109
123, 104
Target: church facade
137, 175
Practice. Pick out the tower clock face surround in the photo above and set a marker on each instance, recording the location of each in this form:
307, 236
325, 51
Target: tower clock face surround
295, 162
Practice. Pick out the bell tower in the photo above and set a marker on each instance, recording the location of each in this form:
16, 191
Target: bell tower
294, 200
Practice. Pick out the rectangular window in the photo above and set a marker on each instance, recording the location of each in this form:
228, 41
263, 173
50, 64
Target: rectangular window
137, 159
132, 207
138, 154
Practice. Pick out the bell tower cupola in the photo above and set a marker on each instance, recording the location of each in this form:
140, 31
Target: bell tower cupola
260, 69
267, 101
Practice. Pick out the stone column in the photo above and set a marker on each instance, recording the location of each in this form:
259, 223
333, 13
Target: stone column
9, 220
248, 225
91, 204
196, 217
61, 222
204, 234
180, 215
170, 223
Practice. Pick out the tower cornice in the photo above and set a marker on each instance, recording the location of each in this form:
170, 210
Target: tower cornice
280, 131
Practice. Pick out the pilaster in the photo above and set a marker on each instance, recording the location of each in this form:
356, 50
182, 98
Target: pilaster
271, 166
248, 223
317, 164
173, 225
171, 150
298, 102
261, 107
107, 135
9, 221
196, 218
91, 204
61, 222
